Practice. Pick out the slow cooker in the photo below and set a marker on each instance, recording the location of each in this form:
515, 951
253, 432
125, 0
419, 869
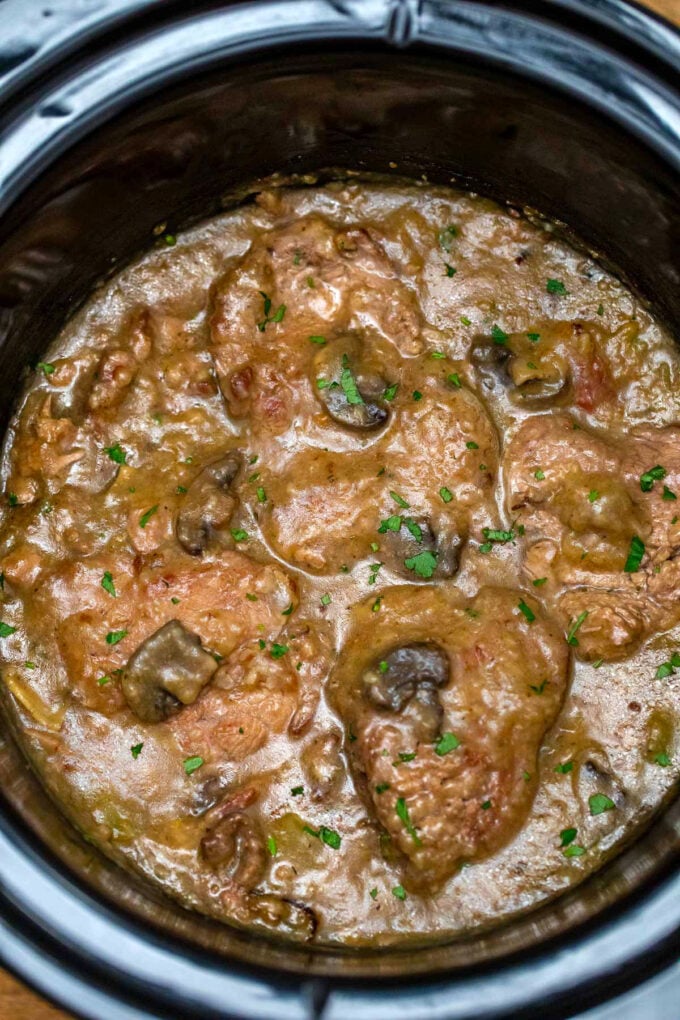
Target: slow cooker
119, 116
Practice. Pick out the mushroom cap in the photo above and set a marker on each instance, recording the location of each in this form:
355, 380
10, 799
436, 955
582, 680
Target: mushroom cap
169, 669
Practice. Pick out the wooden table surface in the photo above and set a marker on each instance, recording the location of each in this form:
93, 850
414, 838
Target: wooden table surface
16, 1001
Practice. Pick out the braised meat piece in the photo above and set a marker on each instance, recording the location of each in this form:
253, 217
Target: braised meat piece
601, 528
448, 700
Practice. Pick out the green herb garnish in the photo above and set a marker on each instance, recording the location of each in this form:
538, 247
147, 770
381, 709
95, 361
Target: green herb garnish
447, 742
555, 287
402, 813
576, 624
147, 515
114, 636
107, 583
599, 803
191, 764
116, 453
635, 554
655, 474
424, 564
526, 611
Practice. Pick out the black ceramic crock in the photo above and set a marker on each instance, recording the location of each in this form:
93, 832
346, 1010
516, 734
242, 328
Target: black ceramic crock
118, 116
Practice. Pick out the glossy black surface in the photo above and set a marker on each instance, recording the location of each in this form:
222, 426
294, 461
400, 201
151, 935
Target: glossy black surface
152, 112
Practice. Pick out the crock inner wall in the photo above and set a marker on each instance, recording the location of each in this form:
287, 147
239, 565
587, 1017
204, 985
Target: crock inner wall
192, 149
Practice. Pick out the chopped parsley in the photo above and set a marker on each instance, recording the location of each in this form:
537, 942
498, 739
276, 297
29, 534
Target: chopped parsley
288, 610
576, 624
392, 523
498, 335
251, 597
239, 535
496, 535
465, 321
402, 813
414, 529
446, 494
116, 453
136, 750
45, 367
276, 317
107, 583
665, 669
278, 651
372, 577
635, 554
29, 665
454, 379
297, 791
537, 582
564, 768
399, 500
599, 803
534, 337
526, 611
326, 599
668, 493
405, 756
174, 600
261, 495
271, 846
318, 339
663, 760
574, 850
6, 630
417, 395
327, 836
655, 474
147, 515
447, 742
373, 892
376, 605
399, 892
486, 805
437, 355
381, 787
424, 564
180, 490
450, 270
539, 475
539, 688
391, 391
555, 287
114, 636
191, 764
446, 237
472, 445
348, 383
593, 496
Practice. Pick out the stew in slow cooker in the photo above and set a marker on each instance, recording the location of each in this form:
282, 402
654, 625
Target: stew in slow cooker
340, 574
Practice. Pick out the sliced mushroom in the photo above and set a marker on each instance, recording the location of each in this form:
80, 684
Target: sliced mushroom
208, 505
289, 917
168, 670
348, 391
234, 846
535, 377
410, 676
416, 536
